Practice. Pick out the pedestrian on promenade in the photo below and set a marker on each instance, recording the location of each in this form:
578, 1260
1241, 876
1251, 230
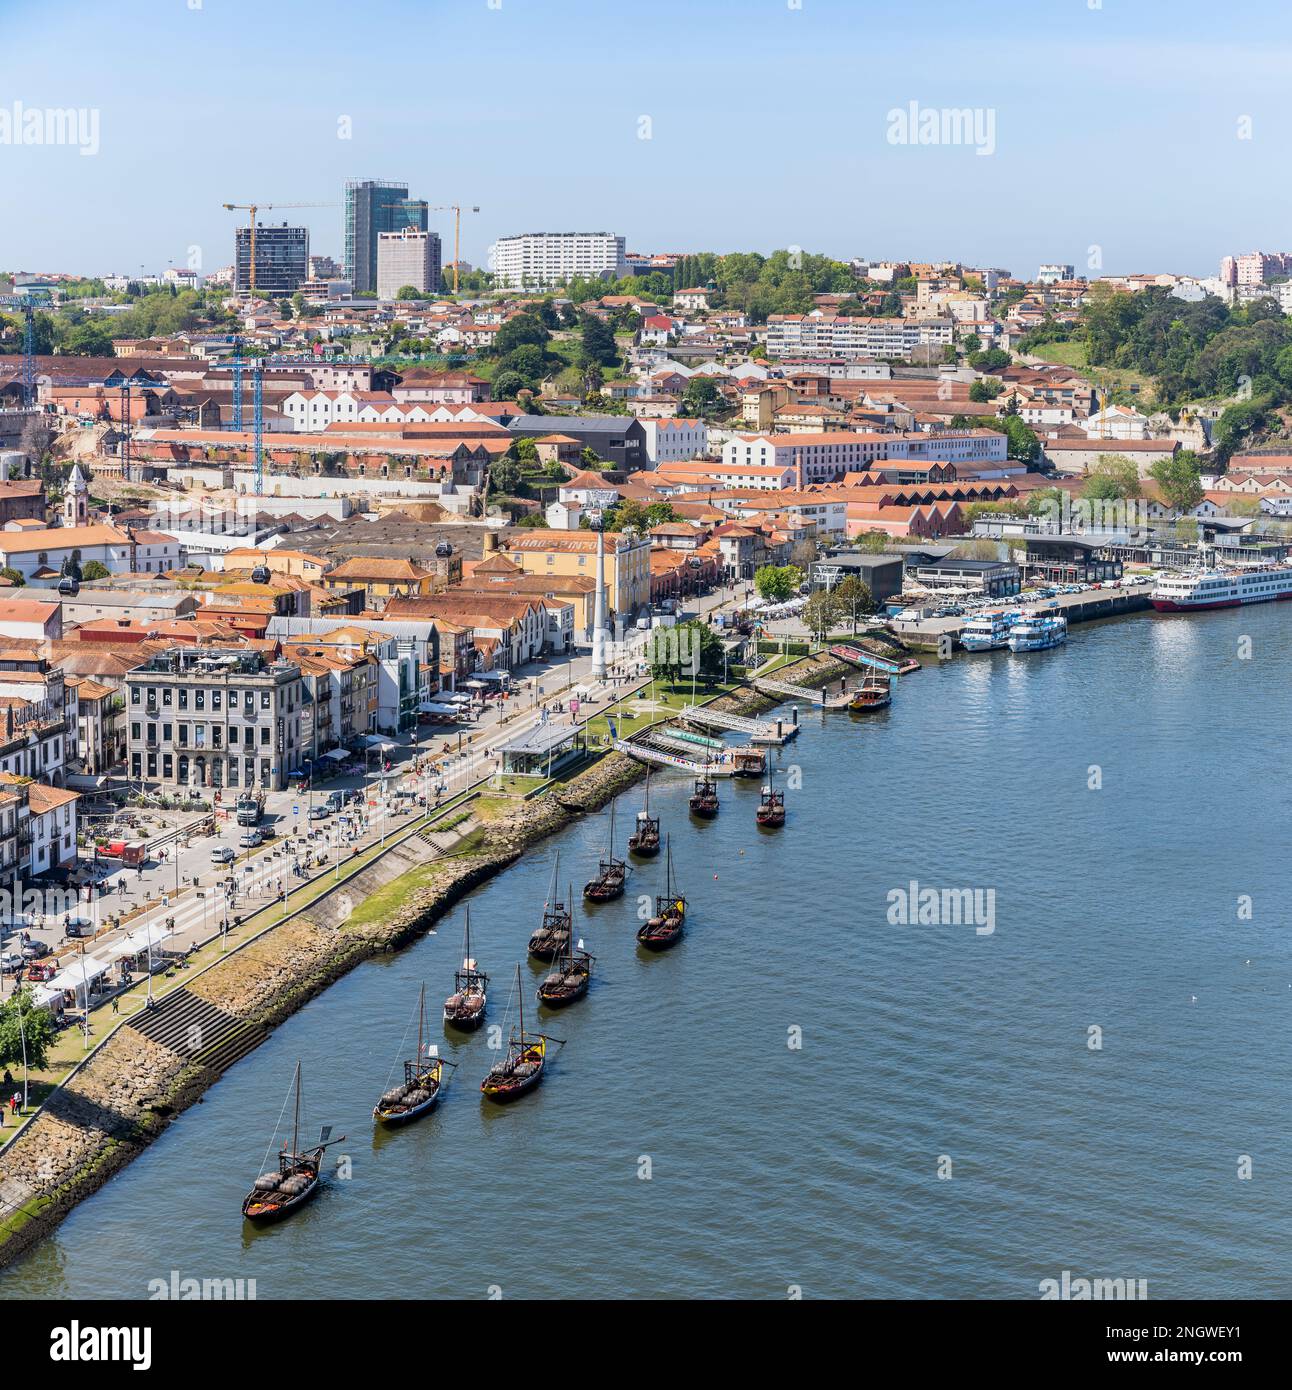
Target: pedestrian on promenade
116, 1004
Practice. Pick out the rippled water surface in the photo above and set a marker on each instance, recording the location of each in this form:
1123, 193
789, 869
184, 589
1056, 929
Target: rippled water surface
922, 1045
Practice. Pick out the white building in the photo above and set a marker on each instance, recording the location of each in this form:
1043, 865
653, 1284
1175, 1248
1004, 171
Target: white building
1052, 274
407, 257
830, 455
675, 440
1116, 422
805, 335
535, 259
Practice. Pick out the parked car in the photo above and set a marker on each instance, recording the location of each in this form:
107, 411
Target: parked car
11, 961
78, 926
251, 839
222, 854
33, 949
320, 812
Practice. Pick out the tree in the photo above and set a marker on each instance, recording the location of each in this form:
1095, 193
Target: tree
1113, 477
520, 331
504, 474
1180, 480
528, 361
525, 451
821, 613
777, 583
13, 576
854, 597
24, 1025
688, 649
505, 385
987, 388
589, 458
597, 343
1023, 443
701, 394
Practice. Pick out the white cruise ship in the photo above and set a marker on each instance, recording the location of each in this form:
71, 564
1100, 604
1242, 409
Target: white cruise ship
1188, 590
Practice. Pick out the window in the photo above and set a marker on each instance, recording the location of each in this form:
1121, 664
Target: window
183, 697
134, 694
168, 695
215, 699
264, 699
199, 699
264, 734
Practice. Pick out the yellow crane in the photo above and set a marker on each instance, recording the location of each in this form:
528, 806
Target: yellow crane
253, 209
457, 235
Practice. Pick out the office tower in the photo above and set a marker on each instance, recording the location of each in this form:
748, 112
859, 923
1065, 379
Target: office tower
407, 258
373, 206
282, 258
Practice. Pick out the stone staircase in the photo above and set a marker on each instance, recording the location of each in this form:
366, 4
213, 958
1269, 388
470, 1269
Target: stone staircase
198, 1031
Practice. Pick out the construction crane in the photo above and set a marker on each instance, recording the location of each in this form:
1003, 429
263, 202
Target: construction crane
28, 304
252, 209
457, 236
457, 227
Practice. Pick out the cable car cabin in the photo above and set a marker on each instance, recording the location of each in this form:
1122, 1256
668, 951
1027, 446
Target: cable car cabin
68, 587
260, 575
444, 550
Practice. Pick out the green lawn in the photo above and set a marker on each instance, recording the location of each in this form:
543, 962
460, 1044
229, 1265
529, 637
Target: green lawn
1131, 388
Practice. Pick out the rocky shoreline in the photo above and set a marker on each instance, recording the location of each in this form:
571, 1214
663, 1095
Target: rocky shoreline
132, 1086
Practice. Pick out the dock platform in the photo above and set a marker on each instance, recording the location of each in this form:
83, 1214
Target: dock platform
802, 692
773, 731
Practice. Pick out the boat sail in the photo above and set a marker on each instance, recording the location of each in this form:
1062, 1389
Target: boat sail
465, 1007
422, 1084
611, 872
277, 1194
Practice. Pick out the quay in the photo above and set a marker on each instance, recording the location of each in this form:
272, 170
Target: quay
724, 765
926, 634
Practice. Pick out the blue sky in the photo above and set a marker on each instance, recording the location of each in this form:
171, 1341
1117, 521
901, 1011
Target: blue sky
1114, 127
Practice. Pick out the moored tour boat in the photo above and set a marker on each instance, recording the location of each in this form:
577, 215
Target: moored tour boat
874, 692
553, 937
276, 1195
644, 841
704, 799
771, 807
1036, 632
665, 928
422, 1084
522, 1068
611, 872
569, 979
465, 1007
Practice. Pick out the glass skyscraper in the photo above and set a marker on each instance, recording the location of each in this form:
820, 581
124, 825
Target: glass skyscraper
373, 206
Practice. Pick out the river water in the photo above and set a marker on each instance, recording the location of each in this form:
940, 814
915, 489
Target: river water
805, 1094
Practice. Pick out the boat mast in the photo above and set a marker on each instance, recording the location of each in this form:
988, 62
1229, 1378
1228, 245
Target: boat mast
421, 1021
520, 999
296, 1122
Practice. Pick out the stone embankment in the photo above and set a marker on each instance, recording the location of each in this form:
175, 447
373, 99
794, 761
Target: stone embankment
158, 1063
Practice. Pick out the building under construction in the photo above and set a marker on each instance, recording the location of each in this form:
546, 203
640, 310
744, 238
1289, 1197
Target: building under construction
282, 259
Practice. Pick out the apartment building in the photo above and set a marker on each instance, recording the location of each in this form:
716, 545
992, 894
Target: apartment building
535, 259
38, 717
674, 439
200, 717
839, 336
282, 259
100, 726
566, 553
37, 828
407, 258
828, 457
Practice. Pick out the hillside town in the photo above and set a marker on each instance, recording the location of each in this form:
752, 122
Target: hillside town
377, 485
